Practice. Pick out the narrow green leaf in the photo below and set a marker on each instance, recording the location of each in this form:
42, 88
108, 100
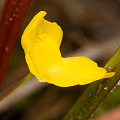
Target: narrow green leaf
96, 92
14, 87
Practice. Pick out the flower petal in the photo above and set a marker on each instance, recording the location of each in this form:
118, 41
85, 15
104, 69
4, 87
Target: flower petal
39, 25
74, 71
80, 60
59, 76
44, 54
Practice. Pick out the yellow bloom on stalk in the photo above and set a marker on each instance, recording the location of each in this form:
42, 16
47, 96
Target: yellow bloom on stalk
41, 41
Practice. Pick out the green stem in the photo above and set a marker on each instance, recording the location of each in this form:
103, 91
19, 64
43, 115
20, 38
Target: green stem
4, 95
96, 92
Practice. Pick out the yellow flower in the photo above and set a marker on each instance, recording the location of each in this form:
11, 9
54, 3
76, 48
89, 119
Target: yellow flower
41, 41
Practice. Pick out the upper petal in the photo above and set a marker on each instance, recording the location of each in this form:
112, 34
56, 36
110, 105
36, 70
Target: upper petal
39, 25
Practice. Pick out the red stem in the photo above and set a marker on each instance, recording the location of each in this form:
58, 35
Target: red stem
10, 25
